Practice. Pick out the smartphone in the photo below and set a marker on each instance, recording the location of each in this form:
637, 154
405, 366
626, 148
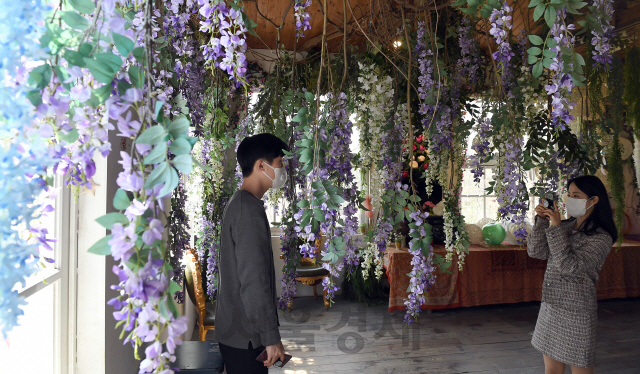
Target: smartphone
262, 357
548, 200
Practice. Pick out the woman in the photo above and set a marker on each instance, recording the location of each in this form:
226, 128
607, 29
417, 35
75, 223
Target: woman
576, 249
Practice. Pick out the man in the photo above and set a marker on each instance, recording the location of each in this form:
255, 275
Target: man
246, 315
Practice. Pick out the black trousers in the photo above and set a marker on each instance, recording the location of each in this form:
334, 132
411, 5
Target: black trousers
242, 361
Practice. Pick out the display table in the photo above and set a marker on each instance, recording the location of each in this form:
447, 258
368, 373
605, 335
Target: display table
505, 274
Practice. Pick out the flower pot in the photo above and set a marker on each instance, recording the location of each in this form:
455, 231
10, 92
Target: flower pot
363, 230
398, 245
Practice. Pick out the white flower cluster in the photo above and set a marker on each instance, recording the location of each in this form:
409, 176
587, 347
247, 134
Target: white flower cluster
370, 257
636, 157
195, 190
372, 112
196, 180
533, 102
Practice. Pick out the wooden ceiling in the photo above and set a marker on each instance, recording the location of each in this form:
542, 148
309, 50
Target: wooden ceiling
366, 15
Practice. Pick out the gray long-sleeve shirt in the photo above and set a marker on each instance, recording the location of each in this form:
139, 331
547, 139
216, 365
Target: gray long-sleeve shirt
246, 307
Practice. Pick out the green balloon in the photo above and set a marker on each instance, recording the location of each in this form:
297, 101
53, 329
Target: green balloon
493, 233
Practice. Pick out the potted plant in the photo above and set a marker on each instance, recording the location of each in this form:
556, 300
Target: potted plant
399, 240
363, 228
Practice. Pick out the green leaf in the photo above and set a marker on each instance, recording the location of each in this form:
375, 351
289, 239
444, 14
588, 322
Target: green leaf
136, 76
183, 163
101, 247
115, 62
494, 4
170, 183
102, 93
139, 54
157, 154
532, 59
534, 51
74, 20
309, 96
249, 24
85, 49
306, 155
337, 199
179, 128
121, 200
551, 43
550, 16
534, 3
157, 112
123, 44
180, 146
83, 6
35, 97
40, 76
473, 10
154, 177
535, 39
547, 62
537, 69
579, 59
549, 54
123, 86
101, 71
303, 204
318, 214
153, 135
70, 136
174, 287
164, 311
538, 12
486, 11
399, 217
109, 219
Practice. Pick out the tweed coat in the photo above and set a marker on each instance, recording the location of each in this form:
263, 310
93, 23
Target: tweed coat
567, 321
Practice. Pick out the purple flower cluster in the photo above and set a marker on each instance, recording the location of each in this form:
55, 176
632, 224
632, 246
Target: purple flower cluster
469, 64
481, 146
339, 161
512, 196
302, 17
227, 51
603, 34
391, 175
500, 26
288, 238
422, 275
561, 86
426, 83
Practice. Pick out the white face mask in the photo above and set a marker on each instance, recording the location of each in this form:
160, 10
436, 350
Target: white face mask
280, 177
577, 208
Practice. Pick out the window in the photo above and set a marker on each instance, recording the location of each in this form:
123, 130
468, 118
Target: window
475, 203
41, 343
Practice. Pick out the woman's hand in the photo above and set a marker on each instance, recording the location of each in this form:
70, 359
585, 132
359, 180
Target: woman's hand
553, 215
540, 211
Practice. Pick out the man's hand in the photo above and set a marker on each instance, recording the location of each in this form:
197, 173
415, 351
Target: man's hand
274, 352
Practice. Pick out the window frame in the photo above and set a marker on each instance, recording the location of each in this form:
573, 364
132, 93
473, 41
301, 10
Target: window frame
61, 279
